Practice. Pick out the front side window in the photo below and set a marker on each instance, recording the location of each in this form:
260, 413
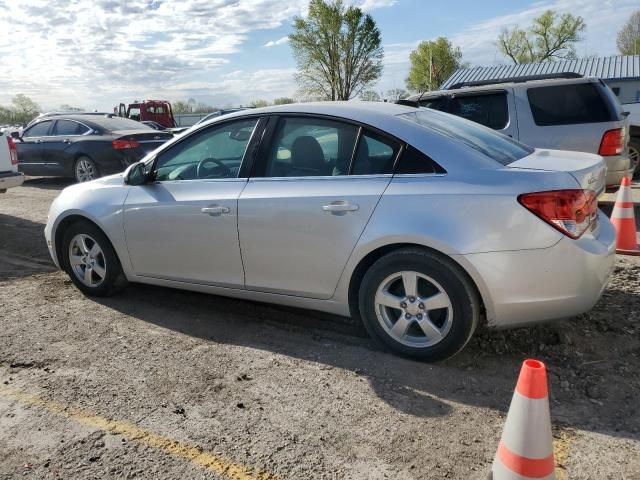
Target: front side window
494, 145
490, 110
569, 104
307, 146
67, 127
38, 130
213, 153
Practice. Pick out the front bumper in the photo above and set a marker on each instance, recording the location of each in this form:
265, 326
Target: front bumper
531, 286
10, 180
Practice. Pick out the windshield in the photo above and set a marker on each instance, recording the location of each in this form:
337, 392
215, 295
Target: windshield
494, 145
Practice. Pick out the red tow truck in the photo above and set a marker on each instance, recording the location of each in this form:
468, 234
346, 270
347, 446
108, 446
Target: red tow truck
159, 111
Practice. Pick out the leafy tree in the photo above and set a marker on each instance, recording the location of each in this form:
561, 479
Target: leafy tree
370, 96
550, 37
259, 103
283, 101
23, 108
396, 94
628, 40
432, 63
204, 108
180, 107
338, 50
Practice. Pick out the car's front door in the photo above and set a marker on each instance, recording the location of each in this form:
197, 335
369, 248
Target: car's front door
183, 226
30, 158
314, 186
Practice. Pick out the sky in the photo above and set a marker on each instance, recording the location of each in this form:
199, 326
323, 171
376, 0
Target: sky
95, 54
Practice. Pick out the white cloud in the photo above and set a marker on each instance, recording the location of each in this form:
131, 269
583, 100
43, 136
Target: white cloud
274, 43
368, 5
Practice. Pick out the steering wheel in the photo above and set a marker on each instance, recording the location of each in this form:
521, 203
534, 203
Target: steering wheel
204, 165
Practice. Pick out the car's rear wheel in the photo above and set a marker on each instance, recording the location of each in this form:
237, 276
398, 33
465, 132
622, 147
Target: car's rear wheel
85, 169
90, 260
419, 304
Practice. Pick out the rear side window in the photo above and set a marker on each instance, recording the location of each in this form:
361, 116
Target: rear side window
413, 162
437, 103
490, 110
494, 145
375, 155
67, 127
569, 104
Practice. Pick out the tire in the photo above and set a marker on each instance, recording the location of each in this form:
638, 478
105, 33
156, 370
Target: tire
105, 275
634, 155
85, 169
446, 306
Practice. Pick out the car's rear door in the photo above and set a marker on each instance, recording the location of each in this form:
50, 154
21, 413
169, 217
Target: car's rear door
30, 157
56, 146
315, 184
184, 226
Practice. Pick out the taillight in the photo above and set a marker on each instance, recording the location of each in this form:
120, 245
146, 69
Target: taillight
13, 151
122, 144
612, 143
569, 211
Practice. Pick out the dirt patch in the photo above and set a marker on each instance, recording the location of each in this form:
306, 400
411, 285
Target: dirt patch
298, 394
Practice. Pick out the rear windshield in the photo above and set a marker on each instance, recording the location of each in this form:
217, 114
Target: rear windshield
117, 123
570, 104
494, 145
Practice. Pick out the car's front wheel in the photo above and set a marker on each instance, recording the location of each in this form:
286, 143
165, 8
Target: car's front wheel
90, 260
419, 304
85, 170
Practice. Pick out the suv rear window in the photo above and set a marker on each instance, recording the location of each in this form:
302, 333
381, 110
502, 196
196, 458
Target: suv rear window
494, 145
569, 104
489, 109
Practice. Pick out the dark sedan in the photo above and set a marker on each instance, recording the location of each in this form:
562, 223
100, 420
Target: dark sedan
84, 146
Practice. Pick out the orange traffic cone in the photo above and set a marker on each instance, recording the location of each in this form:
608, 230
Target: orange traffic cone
624, 221
526, 447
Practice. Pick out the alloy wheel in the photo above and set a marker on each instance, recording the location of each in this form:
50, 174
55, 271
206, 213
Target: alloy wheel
413, 309
85, 170
634, 156
87, 260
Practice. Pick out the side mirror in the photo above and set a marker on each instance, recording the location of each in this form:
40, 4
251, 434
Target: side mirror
136, 174
15, 135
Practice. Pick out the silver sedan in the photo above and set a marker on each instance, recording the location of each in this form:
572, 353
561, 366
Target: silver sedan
418, 223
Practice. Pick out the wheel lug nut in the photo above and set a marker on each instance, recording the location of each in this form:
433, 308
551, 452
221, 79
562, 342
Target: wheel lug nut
412, 299
419, 316
421, 306
407, 316
403, 304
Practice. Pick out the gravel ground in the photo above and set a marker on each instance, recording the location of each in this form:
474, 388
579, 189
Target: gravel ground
159, 383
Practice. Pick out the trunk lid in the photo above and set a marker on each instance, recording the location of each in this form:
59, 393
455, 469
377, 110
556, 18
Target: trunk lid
147, 139
589, 170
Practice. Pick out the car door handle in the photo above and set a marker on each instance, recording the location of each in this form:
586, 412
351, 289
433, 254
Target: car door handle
339, 207
215, 210
67, 140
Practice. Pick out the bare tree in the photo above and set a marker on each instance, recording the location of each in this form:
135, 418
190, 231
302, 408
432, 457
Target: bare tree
628, 40
550, 37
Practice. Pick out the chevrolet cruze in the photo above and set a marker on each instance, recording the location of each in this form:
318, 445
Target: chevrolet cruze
421, 224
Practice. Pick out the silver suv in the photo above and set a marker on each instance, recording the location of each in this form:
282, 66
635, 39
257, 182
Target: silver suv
580, 114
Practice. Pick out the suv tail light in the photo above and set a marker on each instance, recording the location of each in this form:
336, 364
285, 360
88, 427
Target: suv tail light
612, 143
122, 144
571, 212
13, 151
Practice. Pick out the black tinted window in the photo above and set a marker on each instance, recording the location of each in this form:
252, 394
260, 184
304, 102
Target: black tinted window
490, 110
67, 127
413, 161
375, 155
38, 130
118, 123
438, 103
569, 104
494, 145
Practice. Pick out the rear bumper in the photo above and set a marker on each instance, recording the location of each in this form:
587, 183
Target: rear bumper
11, 179
617, 168
531, 286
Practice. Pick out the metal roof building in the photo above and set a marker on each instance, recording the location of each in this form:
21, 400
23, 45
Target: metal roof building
619, 67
